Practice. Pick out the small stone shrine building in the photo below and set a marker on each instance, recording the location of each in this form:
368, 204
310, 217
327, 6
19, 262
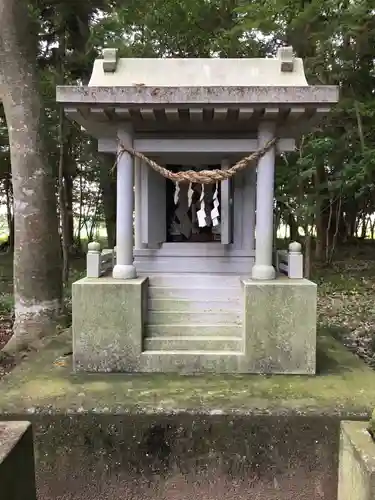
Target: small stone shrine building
196, 285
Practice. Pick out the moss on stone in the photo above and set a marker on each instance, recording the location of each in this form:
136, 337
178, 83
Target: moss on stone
44, 383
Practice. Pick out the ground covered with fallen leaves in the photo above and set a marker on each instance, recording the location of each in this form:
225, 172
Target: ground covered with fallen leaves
346, 303
6, 308
346, 300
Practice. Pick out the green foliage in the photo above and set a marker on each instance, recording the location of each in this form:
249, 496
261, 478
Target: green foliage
335, 38
6, 303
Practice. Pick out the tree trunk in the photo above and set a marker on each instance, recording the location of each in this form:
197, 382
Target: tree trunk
108, 189
62, 201
80, 216
321, 215
9, 203
307, 260
293, 227
68, 182
364, 227
37, 256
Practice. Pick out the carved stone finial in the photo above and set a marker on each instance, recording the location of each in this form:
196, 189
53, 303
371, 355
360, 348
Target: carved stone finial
286, 56
109, 60
295, 247
93, 247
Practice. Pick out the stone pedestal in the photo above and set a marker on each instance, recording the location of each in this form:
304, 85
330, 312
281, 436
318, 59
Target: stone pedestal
275, 331
280, 326
356, 462
108, 318
17, 476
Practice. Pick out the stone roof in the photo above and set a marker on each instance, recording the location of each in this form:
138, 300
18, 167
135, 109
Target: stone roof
284, 70
197, 96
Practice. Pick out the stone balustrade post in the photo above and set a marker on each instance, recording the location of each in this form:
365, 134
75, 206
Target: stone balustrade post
295, 261
93, 260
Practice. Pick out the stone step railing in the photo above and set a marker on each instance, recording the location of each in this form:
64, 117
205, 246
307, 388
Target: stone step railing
290, 262
99, 262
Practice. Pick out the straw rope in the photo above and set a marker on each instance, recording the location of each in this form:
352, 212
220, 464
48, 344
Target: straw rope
201, 176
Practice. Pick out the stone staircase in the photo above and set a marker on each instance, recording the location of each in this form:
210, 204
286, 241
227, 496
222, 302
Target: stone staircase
194, 313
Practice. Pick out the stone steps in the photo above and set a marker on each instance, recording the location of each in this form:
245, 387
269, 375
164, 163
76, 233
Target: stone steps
195, 280
195, 313
207, 344
194, 330
206, 305
193, 294
194, 317
188, 264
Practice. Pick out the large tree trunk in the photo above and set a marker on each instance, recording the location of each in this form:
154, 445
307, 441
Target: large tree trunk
68, 179
62, 201
9, 204
37, 255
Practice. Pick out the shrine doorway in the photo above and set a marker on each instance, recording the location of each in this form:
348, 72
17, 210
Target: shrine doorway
183, 222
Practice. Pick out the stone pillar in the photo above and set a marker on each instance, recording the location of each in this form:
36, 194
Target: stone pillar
124, 268
138, 203
263, 268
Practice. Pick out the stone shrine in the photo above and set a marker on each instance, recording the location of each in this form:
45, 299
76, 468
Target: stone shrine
198, 285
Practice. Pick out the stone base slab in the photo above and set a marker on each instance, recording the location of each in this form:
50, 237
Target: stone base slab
17, 474
279, 330
356, 462
166, 437
108, 318
280, 326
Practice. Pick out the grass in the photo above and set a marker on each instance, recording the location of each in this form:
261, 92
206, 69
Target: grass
46, 384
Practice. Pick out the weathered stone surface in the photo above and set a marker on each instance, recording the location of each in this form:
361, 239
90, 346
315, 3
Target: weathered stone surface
45, 384
17, 475
108, 317
356, 462
278, 334
198, 95
280, 326
115, 436
180, 457
200, 72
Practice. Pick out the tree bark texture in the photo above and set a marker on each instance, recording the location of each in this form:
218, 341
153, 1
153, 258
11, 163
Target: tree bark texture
63, 202
9, 205
37, 254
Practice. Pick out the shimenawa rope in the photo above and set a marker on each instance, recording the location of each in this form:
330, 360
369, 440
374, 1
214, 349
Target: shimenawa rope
201, 176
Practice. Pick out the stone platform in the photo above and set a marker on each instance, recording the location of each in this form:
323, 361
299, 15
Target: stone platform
155, 436
211, 323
